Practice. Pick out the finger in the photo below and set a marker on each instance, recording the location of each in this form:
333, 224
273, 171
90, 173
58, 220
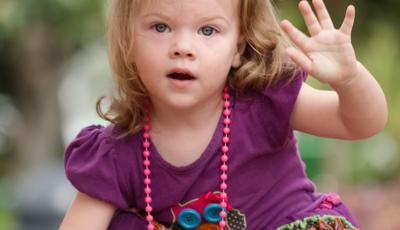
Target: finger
323, 15
310, 19
299, 58
348, 21
298, 37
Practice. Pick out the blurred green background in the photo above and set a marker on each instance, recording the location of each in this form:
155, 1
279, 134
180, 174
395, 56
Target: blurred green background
53, 66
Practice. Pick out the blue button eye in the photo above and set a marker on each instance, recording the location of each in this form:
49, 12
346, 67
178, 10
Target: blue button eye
211, 213
189, 218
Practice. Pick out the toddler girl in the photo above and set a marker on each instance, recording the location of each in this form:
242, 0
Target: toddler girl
201, 134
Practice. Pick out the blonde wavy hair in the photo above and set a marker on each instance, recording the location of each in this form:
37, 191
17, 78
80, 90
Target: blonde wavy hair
263, 59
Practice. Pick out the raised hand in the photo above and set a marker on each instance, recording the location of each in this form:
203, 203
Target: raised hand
327, 54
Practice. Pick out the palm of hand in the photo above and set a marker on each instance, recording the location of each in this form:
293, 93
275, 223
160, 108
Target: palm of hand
327, 54
332, 57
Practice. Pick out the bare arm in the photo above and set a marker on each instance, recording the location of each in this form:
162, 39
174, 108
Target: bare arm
352, 112
358, 107
87, 213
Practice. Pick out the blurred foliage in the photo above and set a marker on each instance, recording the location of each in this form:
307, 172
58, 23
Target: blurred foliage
70, 25
71, 22
7, 220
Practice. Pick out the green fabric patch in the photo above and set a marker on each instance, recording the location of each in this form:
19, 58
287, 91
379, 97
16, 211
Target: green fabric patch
315, 222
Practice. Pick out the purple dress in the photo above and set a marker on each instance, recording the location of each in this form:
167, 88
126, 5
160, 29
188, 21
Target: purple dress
267, 182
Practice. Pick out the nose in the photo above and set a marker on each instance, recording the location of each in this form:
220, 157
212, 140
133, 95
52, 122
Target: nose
183, 47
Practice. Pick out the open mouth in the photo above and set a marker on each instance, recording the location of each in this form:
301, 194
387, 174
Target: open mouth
181, 76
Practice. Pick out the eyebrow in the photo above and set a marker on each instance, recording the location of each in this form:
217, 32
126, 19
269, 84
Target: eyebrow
202, 19
214, 18
155, 14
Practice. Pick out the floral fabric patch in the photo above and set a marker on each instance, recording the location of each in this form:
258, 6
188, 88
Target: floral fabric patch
326, 222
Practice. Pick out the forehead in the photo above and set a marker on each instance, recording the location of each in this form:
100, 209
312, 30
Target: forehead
194, 8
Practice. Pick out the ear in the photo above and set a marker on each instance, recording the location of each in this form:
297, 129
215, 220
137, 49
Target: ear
237, 58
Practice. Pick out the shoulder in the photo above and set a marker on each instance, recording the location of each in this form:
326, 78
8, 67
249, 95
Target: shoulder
90, 140
268, 112
96, 137
287, 85
93, 167
283, 93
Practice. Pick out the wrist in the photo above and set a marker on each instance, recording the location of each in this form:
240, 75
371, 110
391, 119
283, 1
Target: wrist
348, 81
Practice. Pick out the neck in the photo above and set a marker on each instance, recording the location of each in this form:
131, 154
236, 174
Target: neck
195, 117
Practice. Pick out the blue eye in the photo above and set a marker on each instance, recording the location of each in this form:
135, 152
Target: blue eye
161, 28
207, 30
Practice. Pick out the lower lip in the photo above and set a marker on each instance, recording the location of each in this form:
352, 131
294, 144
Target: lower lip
180, 84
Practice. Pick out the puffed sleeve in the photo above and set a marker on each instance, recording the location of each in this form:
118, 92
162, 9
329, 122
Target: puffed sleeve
281, 99
91, 166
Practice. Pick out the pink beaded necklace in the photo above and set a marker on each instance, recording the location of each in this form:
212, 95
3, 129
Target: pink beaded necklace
224, 164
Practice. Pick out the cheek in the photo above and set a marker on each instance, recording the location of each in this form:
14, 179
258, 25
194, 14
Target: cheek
145, 56
218, 70
222, 59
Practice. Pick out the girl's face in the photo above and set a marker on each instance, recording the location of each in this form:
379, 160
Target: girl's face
184, 49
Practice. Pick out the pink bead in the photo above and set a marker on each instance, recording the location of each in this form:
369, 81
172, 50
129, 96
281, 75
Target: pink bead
222, 223
225, 140
146, 127
148, 199
227, 121
146, 144
224, 196
227, 130
227, 104
226, 89
227, 112
147, 172
150, 227
147, 181
147, 190
223, 204
223, 186
222, 214
226, 96
224, 176
146, 153
146, 163
224, 158
224, 167
148, 208
224, 149
146, 135
149, 218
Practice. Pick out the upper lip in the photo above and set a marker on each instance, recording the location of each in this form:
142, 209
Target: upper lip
181, 70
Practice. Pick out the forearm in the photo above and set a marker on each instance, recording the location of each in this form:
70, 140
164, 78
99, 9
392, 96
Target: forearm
87, 213
362, 105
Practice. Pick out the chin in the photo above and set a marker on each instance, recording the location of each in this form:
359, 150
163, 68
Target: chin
183, 104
